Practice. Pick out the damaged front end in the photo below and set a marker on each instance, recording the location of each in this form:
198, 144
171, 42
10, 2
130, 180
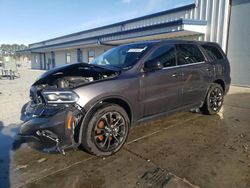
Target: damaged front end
52, 118
51, 127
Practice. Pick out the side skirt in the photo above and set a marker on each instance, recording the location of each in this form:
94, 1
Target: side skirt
157, 116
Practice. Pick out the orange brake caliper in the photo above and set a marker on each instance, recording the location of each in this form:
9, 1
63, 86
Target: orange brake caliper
98, 131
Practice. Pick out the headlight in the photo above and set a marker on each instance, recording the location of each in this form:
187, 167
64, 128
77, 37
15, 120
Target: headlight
60, 96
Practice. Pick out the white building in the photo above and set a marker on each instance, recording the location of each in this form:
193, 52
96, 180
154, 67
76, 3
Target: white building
223, 21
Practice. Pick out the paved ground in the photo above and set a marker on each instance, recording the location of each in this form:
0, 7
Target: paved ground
206, 151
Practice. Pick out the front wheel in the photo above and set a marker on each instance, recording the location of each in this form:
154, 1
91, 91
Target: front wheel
214, 100
107, 130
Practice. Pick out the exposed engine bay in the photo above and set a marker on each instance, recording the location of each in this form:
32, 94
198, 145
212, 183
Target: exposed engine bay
74, 75
73, 81
68, 77
63, 81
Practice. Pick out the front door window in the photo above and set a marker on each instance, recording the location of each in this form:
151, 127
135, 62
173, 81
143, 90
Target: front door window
164, 54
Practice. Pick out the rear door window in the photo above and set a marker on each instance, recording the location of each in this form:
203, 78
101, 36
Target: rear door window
213, 52
164, 54
188, 54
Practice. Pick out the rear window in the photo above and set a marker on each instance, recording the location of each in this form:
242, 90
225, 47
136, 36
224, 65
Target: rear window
213, 52
188, 54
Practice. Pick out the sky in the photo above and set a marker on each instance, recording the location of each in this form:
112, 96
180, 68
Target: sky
30, 21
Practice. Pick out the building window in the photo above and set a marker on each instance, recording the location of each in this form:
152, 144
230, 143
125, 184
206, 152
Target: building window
53, 61
91, 55
79, 55
36, 59
49, 63
68, 56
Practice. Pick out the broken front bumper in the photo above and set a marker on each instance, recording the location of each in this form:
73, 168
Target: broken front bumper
50, 128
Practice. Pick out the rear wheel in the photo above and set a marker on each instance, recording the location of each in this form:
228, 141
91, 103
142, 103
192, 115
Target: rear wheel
107, 130
214, 100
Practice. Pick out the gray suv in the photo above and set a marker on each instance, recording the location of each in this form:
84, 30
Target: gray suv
94, 105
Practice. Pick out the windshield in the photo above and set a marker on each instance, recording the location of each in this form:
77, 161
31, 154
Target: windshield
122, 57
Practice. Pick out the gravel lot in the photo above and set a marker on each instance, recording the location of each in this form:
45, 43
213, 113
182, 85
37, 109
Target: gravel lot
181, 150
14, 94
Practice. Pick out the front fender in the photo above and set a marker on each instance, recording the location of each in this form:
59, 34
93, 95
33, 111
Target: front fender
94, 104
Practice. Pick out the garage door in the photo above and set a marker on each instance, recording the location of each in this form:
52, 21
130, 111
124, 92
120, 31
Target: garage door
239, 42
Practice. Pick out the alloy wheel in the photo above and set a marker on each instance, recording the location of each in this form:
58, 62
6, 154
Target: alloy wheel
216, 99
110, 131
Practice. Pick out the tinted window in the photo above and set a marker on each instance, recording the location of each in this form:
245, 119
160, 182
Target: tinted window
213, 52
188, 53
164, 54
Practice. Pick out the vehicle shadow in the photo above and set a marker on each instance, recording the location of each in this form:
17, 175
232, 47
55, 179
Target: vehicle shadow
7, 134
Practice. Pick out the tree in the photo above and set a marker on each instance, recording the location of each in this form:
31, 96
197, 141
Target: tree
10, 49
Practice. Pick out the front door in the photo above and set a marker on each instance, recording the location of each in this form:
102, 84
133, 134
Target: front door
162, 88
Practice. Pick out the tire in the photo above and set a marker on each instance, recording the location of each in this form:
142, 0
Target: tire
214, 100
107, 130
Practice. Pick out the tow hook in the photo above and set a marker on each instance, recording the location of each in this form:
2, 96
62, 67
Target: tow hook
48, 135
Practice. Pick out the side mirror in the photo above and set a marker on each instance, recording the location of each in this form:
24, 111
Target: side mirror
152, 65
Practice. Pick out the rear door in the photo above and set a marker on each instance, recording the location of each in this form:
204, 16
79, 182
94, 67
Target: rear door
162, 88
197, 73
218, 59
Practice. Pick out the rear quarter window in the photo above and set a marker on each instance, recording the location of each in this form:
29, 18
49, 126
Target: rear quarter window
213, 52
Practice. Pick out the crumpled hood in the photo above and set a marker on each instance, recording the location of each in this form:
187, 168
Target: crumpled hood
75, 69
